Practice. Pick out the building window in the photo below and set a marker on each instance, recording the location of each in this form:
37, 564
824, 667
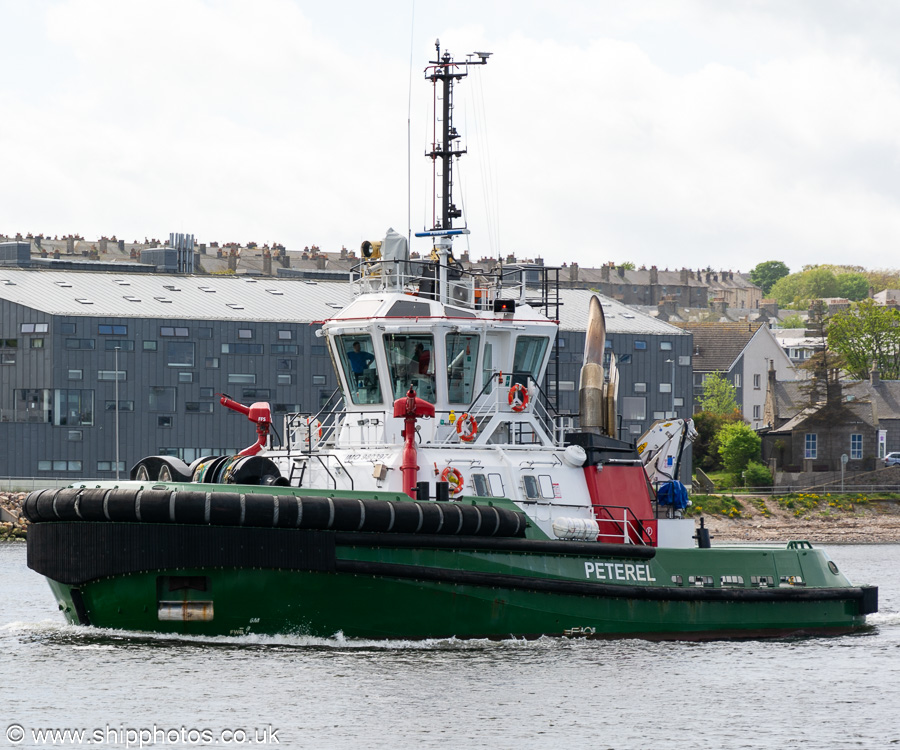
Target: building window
212, 363
665, 387
161, 398
287, 379
245, 333
76, 374
150, 346
640, 387
75, 435
634, 408
286, 364
105, 330
67, 329
112, 375
757, 379
169, 331
165, 421
185, 377
80, 343
207, 393
737, 380
179, 353
809, 448
123, 405
285, 335
257, 393
36, 343
287, 408
73, 407
199, 407
665, 346
242, 348
317, 351
285, 349
756, 412
242, 378
659, 415
124, 345
35, 328
684, 359
679, 401
110, 466
635, 429
640, 345
204, 333
856, 446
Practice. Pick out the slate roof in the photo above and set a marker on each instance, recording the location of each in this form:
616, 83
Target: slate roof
873, 403
718, 345
119, 295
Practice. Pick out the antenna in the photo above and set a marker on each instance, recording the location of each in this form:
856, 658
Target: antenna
444, 72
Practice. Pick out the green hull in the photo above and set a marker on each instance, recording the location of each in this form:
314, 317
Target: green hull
398, 586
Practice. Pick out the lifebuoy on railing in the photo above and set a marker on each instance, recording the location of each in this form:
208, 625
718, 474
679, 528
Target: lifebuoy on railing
518, 397
466, 427
313, 431
454, 478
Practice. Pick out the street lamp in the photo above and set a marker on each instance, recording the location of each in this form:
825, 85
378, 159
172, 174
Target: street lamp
117, 413
672, 362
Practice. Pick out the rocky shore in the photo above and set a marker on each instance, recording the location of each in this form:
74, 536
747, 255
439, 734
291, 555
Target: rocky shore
12, 524
765, 520
758, 520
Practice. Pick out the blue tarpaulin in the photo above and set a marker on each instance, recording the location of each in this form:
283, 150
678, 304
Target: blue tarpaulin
674, 494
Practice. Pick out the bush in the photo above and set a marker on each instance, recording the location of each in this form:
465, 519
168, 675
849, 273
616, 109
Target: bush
738, 445
757, 475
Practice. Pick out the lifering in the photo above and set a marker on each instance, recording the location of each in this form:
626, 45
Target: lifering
518, 397
454, 479
313, 430
466, 427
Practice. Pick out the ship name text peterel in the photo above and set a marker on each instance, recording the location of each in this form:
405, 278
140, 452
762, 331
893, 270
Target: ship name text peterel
608, 571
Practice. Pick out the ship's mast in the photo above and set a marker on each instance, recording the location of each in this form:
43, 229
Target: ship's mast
443, 73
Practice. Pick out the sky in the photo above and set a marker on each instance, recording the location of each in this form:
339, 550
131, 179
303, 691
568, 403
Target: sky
676, 133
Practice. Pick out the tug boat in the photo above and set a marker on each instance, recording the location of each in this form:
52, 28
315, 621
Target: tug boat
439, 495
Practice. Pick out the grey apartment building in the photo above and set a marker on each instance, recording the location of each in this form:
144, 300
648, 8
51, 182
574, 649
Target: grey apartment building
81, 351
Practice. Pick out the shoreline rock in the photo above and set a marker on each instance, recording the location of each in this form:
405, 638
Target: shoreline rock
874, 522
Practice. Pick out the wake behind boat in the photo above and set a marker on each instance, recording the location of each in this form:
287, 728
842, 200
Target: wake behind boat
441, 494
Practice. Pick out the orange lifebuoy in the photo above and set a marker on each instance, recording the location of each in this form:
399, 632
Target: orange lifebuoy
466, 427
313, 430
516, 401
454, 478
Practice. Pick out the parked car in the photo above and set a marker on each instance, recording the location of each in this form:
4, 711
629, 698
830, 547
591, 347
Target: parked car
891, 458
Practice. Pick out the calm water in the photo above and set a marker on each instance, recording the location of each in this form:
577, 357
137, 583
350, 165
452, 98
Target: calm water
839, 692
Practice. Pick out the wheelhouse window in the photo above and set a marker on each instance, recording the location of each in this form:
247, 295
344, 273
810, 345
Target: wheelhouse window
462, 356
529, 356
357, 355
411, 364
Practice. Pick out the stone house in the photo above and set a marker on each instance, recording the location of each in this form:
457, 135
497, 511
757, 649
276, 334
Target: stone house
812, 424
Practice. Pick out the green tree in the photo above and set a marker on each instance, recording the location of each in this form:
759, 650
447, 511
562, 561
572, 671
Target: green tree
865, 335
853, 286
793, 321
818, 282
738, 445
705, 449
786, 291
757, 475
718, 395
767, 273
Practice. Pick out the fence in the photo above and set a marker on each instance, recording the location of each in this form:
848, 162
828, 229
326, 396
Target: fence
29, 484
